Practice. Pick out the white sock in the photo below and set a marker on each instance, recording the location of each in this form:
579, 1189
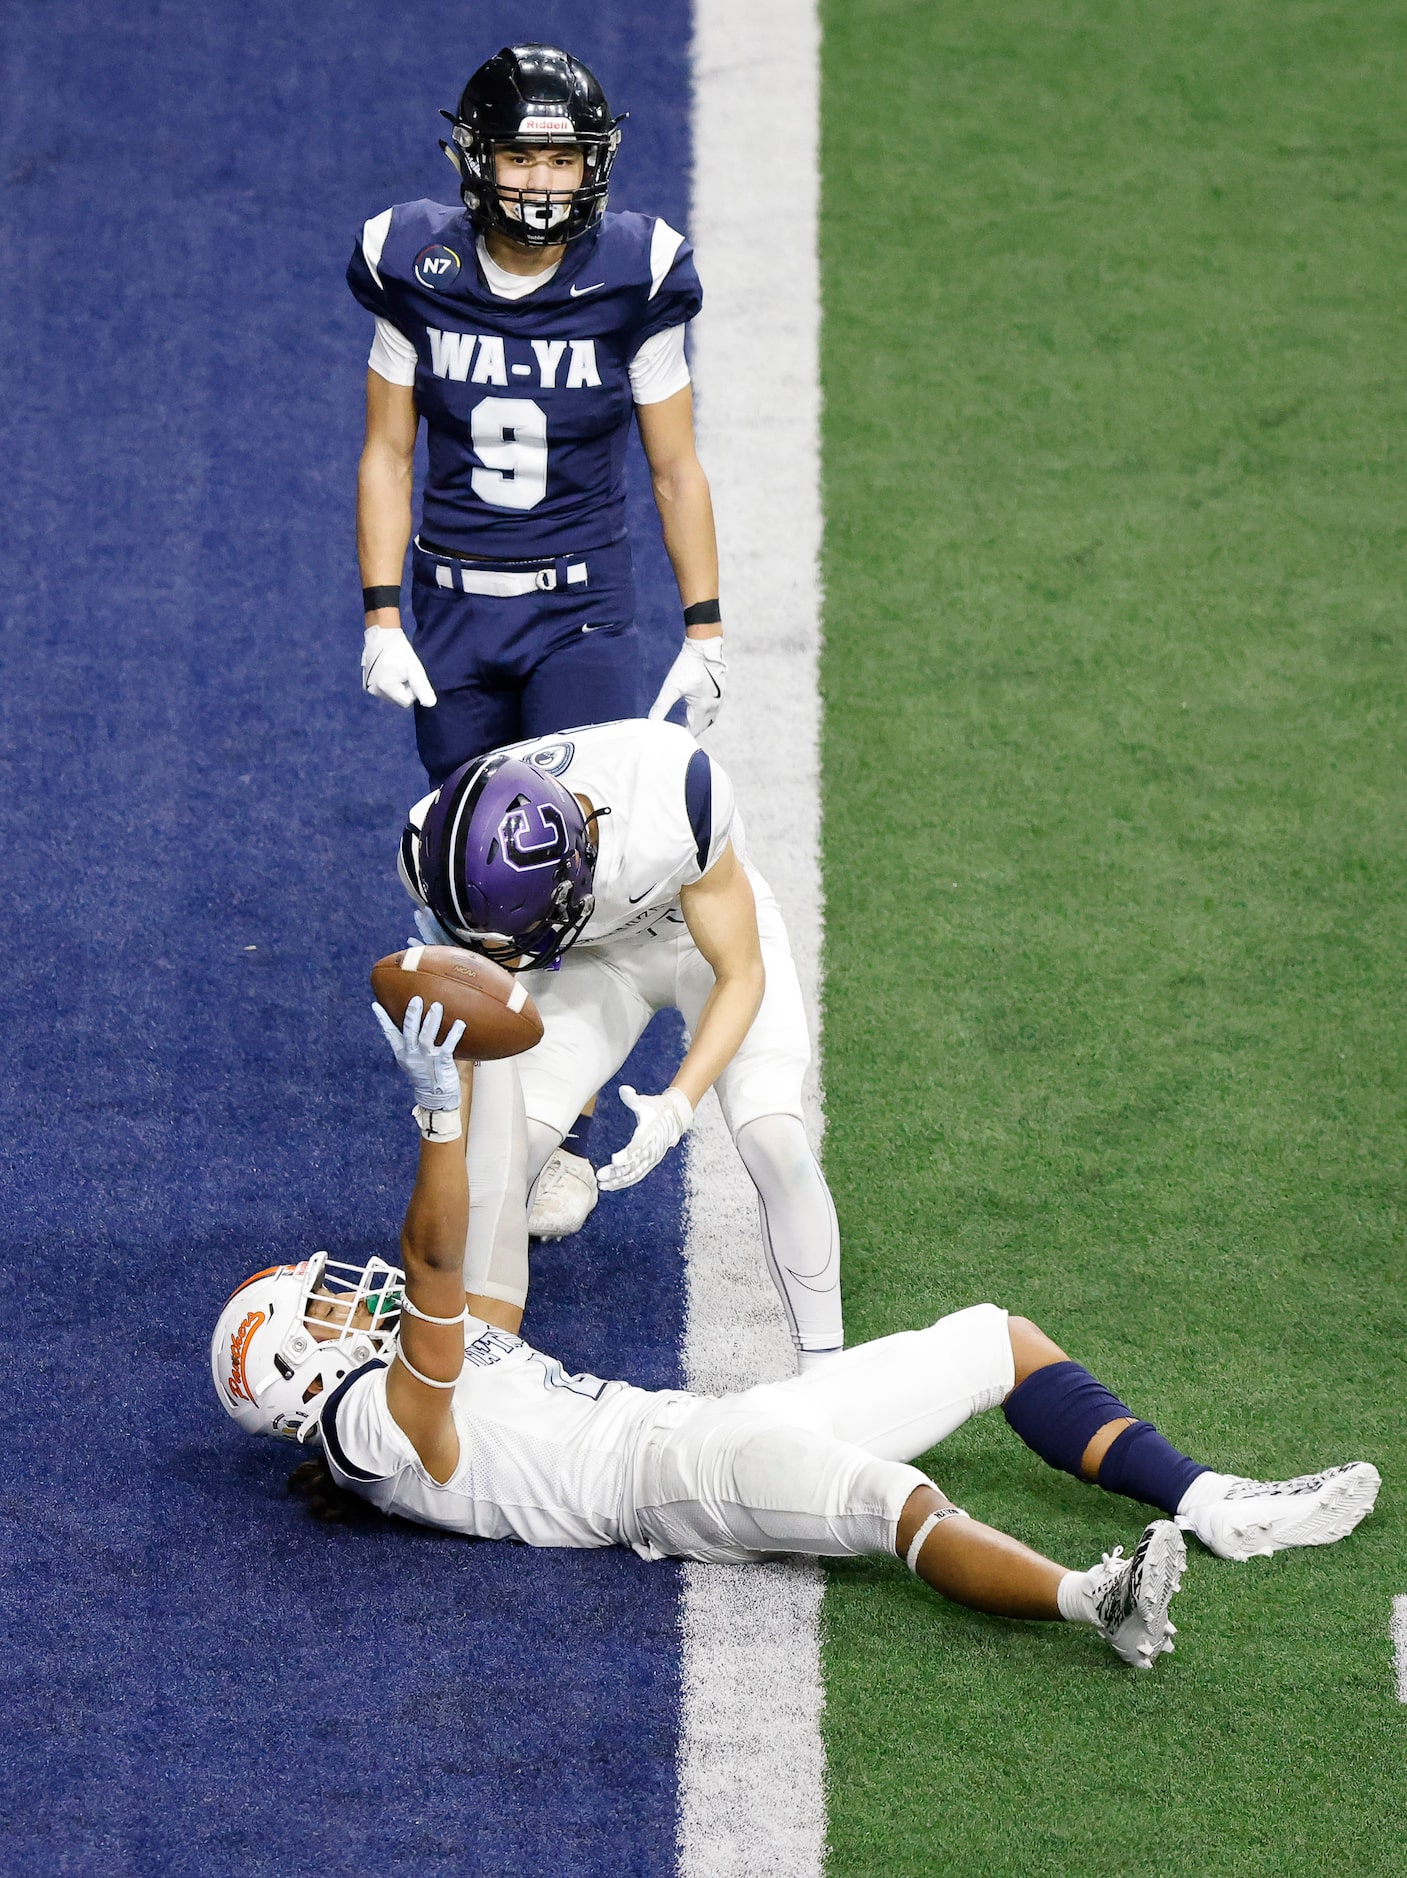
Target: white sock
1206, 1488
1074, 1599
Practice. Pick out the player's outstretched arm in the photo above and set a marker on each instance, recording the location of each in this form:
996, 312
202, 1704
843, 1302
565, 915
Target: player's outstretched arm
385, 475
682, 497
419, 1389
721, 915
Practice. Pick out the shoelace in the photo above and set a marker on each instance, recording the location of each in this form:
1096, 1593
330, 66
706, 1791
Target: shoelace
1115, 1592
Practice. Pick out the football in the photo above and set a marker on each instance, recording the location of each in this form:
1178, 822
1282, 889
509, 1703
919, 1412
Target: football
500, 1019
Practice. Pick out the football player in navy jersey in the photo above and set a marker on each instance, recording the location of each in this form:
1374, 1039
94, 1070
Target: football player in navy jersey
527, 326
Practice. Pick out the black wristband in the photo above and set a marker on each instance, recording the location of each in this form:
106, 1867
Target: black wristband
703, 613
374, 598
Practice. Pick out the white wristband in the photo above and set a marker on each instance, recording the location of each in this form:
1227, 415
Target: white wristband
437, 1124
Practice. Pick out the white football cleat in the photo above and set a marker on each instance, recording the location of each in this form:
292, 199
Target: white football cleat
1132, 1595
565, 1197
1253, 1518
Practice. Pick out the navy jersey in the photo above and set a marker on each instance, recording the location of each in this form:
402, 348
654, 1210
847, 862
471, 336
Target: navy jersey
527, 403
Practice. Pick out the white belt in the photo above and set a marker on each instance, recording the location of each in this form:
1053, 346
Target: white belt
501, 584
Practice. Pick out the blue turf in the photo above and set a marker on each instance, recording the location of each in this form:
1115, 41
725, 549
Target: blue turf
199, 823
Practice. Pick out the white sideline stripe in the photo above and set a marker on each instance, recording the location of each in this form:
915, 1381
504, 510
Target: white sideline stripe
752, 1764
1399, 1645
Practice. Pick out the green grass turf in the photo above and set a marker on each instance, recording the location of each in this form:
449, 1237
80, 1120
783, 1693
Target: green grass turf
1116, 802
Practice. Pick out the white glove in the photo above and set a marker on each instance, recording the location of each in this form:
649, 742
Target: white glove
664, 1120
429, 1065
391, 670
432, 933
697, 677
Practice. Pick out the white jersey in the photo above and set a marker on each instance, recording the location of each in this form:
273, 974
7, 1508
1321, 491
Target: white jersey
813, 1464
671, 814
544, 1457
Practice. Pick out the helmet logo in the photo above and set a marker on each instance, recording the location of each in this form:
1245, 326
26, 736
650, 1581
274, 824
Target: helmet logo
546, 127
239, 1349
437, 266
553, 758
526, 846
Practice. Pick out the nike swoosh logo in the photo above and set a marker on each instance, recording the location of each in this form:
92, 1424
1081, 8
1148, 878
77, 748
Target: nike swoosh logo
586, 629
636, 898
577, 292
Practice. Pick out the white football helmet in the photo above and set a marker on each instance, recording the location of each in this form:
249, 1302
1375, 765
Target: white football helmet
270, 1353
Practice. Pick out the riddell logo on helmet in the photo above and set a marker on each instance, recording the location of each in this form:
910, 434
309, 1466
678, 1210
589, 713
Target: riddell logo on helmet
546, 127
239, 1349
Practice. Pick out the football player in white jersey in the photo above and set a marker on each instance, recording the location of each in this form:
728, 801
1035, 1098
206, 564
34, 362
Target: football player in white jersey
427, 1411
609, 865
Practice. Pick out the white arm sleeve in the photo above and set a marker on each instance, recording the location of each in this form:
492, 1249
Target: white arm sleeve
392, 355
659, 368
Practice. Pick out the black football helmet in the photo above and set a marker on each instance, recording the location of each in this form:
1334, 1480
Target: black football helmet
532, 95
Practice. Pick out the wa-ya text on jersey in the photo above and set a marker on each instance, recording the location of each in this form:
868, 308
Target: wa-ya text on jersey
527, 403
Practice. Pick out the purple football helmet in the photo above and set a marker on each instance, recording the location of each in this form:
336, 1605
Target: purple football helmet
505, 861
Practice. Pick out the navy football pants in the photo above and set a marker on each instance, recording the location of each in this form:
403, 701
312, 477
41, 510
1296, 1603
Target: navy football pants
508, 669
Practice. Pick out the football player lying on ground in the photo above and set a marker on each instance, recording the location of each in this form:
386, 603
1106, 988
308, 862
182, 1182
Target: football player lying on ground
429, 1413
608, 865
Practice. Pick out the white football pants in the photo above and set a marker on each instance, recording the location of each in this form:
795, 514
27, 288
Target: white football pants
817, 1464
496, 1159
594, 1010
